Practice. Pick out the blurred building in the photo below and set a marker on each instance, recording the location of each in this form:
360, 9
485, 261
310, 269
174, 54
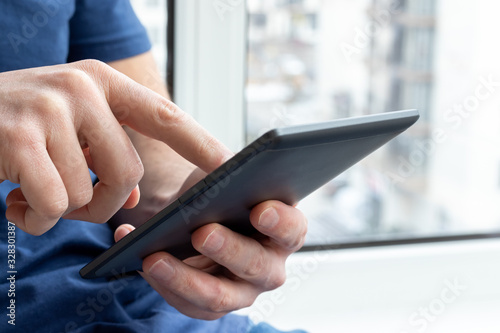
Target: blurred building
325, 59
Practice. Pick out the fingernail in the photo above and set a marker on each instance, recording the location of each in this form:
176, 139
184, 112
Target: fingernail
161, 270
123, 231
213, 242
269, 218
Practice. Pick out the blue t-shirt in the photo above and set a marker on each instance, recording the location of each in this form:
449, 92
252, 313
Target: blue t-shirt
42, 290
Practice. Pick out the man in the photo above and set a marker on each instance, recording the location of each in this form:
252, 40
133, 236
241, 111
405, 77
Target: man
58, 120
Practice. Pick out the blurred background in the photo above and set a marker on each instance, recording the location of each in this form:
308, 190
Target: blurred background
317, 60
302, 61
314, 60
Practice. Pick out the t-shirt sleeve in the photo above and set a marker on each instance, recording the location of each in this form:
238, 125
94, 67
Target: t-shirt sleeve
106, 30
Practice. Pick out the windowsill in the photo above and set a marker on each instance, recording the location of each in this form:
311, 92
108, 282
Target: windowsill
383, 289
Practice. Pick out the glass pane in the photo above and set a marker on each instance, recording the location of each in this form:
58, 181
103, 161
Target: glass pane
314, 60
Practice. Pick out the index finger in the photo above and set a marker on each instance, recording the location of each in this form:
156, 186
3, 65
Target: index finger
155, 116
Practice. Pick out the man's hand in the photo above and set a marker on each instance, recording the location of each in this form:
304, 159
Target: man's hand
57, 121
233, 269
229, 276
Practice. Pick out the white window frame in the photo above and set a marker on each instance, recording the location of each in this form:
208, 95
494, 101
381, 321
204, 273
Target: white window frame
210, 65
447, 287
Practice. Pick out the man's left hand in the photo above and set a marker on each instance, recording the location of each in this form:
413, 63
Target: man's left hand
232, 269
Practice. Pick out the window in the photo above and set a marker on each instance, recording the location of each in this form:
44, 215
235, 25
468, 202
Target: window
317, 60
299, 72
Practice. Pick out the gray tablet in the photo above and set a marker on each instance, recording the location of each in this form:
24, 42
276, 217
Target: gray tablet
285, 164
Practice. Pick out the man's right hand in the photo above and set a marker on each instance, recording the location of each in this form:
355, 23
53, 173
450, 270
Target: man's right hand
58, 121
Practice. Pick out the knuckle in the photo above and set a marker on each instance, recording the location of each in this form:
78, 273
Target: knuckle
92, 66
295, 242
129, 174
229, 250
208, 144
133, 173
77, 79
222, 301
71, 80
302, 240
256, 267
188, 284
93, 63
122, 111
289, 240
28, 152
48, 104
56, 208
29, 139
303, 235
248, 301
80, 199
277, 279
170, 113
